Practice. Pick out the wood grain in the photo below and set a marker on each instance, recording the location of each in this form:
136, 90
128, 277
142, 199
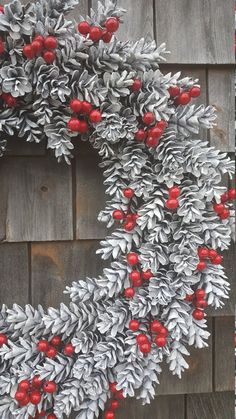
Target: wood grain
221, 96
211, 406
224, 354
36, 202
196, 31
56, 265
19, 147
14, 273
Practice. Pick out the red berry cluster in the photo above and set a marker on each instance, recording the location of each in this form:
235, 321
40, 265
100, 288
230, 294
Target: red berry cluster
157, 328
9, 99
205, 253
183, 97
85, 109
137, 277
50, 349
152, 134
3, 339
172, 203
221, 209
198, 298
114, 403
129, 219
41, 46
32, 391
96, 33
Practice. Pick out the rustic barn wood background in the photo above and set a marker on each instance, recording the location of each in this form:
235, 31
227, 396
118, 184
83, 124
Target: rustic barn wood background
48, 211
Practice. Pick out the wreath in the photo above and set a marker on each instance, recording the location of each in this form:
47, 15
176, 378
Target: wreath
62, 82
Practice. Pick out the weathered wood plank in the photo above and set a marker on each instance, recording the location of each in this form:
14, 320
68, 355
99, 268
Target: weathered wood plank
210, 406
56, 265
19, 147
36, 201
14, 273
196, 31
224, 354
221, 95
197, 379
90, 197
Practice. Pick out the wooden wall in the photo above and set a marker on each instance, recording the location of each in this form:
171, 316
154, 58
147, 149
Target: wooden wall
48, 212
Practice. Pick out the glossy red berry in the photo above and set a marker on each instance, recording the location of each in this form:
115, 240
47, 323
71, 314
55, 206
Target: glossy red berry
86, 107
225, 214
224, 197
3, 339
156, 326
84, 127
114, 404
201, 304
203, 252
133, 258
147, 275
28, 51
163, 331
129, 292
134, 325
219, 208
112, 24
1, 8
37, 382
162, 125
189, 297
137, 85
95, 33
217, 260
84, 27
36, 47
76, 105
49, 387
120, 394
195, 91
20, 395
25, 401
161, 341
184, 98
129, 226
109, 414
74, 125
198, 314
24, 385
174, 192
50, 42
174, 91
35, 397
145, 348
140, 135
212, 253
112, 387
56, 340
51, 416
69, 349
107, 36
135, 276
118, 215
95, 117
141, 339
172, 204
200, 294
152, 142
201, 265
51, 352
148, 118
231, 194
39, 38
155, 133
49, 57
128, 193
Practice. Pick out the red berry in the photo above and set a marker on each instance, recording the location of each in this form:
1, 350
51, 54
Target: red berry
24, 385
20, 395
174, 192
155, 132
50, 42
56, 340
11, 101
147, 275
219, 208
163, 331
76, 105
148, 118
1, 8
198, 314
174, 91
217, 260
74, 125
129, 292
95, 117
141, 339
118, 215
109, 414
162, 124
156, 326
195, 91
37, 382
128, 193
84, 127
135, 276
201, 303
39, 38
36, 47
86, 107
95, 34
25, 401
225, 214
35, 397
137, 85
112, 24
184, 98
3, 339
134, 325
84, 27
114, 404
112, 387
161, 341
107, 36
28, 51
51, 416
141, 135
231, 194
129, 226
212, 253
145, 348
200, 294
49, 387
203, 252
120, 394
224, 197
51, 352
201, 266
132, 259
49, 56
152, 142
172, 204
189, 297
69, 349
